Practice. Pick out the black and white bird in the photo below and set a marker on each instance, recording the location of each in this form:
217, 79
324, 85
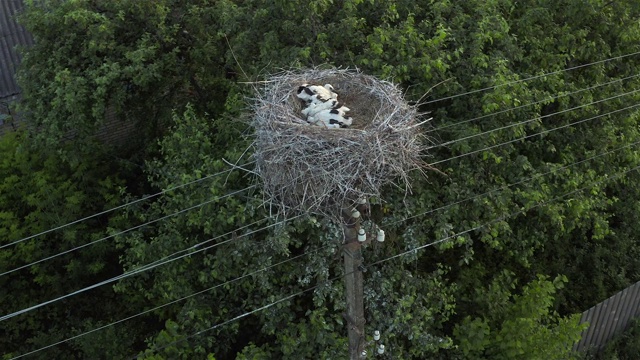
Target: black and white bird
305, 94
316, 93
330, 119
339, 108
315, 108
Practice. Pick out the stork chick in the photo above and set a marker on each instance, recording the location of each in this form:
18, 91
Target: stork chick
315, 108
330, 120
322, 93
340, 109
305, 93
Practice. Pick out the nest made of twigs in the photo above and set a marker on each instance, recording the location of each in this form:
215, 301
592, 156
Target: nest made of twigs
315, 170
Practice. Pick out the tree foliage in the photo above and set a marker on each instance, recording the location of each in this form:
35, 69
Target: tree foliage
38, 192
524, 328
538, 162
140, 59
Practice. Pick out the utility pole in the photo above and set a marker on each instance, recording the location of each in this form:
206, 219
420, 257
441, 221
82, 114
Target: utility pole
354, 284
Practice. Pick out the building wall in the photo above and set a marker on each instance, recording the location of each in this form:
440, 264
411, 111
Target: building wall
609, 318
12, 34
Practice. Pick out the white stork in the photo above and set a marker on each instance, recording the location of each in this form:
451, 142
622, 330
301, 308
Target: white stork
315, 108
330, 120
315, 93
339, 108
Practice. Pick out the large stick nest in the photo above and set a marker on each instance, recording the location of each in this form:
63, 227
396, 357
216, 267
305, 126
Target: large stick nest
312, 169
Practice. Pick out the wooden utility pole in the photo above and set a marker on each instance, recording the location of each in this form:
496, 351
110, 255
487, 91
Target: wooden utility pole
354, 286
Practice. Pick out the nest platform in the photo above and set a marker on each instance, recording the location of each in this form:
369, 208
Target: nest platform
311, 169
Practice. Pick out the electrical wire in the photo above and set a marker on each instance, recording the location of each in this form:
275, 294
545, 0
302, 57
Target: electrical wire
529, 104
529, 78
534, 119
439, 145
147, 267
138, 270
414, 250
271, 266
127, 230
165, 259
152, 266
432, 164
243, 315
503, 217
115, 279
536, 134
518, 182
429, 102
173, 301
118, 207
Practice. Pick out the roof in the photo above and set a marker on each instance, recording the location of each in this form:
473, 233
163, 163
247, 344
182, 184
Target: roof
11, 35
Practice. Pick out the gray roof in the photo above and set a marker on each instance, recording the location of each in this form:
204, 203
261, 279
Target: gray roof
11, 35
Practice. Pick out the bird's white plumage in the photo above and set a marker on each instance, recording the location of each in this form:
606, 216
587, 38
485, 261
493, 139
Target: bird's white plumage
304, 93
330, 120
315, 108
347, 121
324, 93
322, 107
340, 109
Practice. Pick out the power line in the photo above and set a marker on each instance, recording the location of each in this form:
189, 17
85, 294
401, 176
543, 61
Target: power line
330, 281
127, 230
502, 218
264, 307
164, 191
138, 270
118, 207
532, 135
534, 119
152, 266
407, 252
529, 104
435, 163
164, 260
529, 78
148, 266
324, 283
174, 301
433, 101
518, 182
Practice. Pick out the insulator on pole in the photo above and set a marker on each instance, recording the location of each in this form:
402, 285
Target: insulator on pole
362, 236
380, 236
376, 335
363, 354
355, 213
380, 349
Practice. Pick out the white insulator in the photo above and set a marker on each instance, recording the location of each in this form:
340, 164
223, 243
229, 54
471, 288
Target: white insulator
363, 354
355, 213
380, 349
376, 335
362, 236
380, 236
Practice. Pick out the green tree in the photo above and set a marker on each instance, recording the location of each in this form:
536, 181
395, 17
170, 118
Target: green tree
561, 202
476, 45
141, 59
518, 326
303, 326
38, 192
